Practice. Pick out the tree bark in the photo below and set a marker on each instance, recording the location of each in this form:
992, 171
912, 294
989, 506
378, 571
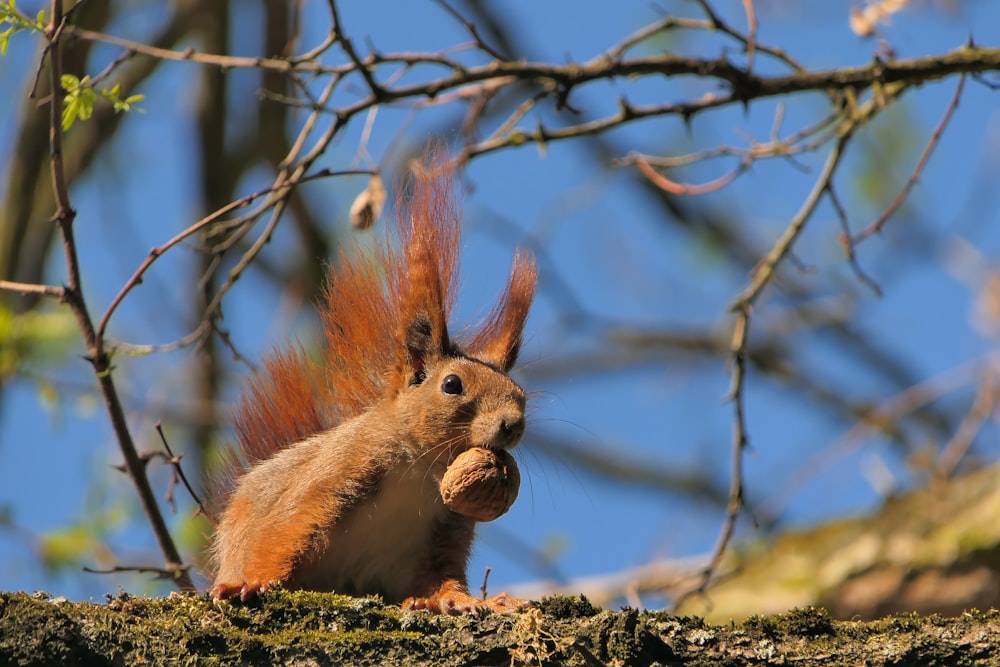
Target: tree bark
324, 629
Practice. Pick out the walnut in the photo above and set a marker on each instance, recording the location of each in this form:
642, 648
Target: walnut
481, 483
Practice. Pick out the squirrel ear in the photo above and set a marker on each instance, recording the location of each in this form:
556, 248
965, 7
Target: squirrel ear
422, 344
498, 341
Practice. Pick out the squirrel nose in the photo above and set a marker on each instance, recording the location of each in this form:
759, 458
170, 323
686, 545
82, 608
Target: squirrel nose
511, 430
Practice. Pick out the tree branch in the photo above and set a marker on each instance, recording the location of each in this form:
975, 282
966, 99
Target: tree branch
73, 296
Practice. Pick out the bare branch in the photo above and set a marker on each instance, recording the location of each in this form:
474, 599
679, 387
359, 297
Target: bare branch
673, 187
31, 288
175, 462
879, 223
73, 296
136, 279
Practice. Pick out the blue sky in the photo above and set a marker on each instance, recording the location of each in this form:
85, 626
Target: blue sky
601, 239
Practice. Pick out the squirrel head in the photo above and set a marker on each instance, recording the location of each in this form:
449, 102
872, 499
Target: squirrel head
454, 396
459, 402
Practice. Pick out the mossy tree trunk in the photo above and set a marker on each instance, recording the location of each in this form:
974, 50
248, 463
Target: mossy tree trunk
323, 629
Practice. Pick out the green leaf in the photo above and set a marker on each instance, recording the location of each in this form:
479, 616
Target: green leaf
79, 102
4, 39
70, 112
120, 104
40, 20
87, 98
69, 82
79, 105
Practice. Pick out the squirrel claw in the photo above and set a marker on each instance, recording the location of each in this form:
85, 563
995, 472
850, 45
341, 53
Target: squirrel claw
246, 590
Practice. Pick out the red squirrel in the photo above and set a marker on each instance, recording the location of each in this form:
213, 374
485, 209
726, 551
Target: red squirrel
336, 488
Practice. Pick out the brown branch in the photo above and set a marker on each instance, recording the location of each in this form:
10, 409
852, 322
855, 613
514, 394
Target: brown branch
175, 462
737, 497
474, 31
673, 187
983, 407
888, 78
189, 54
879, 223
168, 573
348, 47
73, 296
561, 79
136, 279
32, 288
848, 243
742, 307
764, 270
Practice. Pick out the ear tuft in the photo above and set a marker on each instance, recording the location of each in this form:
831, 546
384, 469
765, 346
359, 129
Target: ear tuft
422, 279
498, 340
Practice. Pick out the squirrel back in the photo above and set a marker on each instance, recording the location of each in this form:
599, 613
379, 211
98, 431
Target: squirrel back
374, 421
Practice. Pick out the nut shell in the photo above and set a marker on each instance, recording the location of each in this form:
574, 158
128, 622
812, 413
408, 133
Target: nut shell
481, 483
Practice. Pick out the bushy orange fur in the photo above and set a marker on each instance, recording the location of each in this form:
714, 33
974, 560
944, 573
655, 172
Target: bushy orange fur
339, 452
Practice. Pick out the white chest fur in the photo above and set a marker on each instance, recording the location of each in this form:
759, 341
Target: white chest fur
378, 544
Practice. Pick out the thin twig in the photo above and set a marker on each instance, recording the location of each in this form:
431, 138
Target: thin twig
175, 461
169, 574
136, 279
982, 408
473, 30
932, 143
673, 187
848, 243
486, 578
189, 54
764, 271
348, 48
32, 288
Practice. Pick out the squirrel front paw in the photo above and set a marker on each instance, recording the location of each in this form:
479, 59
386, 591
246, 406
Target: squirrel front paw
246, 590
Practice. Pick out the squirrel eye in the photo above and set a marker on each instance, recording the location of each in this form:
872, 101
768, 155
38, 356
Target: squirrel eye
452, 385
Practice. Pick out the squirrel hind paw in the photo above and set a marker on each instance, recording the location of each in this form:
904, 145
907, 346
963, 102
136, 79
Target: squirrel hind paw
245, 590
504, 603
455, 603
